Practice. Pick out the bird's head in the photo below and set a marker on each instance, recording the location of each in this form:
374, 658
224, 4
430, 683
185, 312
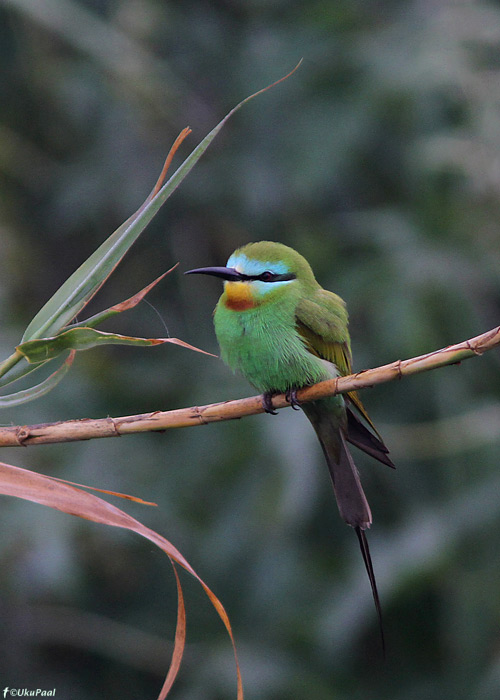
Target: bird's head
259, 273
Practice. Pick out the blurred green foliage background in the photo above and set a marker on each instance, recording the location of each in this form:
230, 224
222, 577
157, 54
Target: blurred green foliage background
379, 160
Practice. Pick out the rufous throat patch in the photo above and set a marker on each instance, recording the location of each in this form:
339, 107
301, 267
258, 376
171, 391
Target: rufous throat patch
238, 296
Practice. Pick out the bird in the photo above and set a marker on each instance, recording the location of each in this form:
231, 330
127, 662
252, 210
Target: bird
278, 327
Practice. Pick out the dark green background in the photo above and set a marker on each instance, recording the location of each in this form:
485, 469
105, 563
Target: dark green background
379, 160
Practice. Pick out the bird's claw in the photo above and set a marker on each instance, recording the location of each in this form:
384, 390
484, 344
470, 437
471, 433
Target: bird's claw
291, 397
267, 403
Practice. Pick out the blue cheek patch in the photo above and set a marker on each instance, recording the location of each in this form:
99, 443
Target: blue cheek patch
263, 288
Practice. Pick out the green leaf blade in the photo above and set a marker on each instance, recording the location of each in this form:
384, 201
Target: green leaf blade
39, 390
43, 349
81, 286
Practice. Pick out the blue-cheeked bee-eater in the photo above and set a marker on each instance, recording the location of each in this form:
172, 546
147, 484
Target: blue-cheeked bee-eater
283, 331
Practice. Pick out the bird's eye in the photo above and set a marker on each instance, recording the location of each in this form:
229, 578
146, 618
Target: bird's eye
267, 276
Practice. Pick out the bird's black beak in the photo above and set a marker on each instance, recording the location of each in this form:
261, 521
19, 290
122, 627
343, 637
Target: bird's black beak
226, 273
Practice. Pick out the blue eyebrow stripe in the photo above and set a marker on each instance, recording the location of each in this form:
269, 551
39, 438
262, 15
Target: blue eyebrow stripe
255, 268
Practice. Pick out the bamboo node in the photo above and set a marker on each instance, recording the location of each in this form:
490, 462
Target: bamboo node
116, 429
22, 434
198, 414
473, 348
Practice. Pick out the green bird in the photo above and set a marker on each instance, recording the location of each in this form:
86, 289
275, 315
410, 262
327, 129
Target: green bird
283, 331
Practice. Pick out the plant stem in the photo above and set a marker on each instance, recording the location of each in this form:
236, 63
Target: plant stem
10, 362
88, 428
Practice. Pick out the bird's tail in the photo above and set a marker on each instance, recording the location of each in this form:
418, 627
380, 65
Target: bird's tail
351, 499
349, 493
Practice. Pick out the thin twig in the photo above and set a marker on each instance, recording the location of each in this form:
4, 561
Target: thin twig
88, 429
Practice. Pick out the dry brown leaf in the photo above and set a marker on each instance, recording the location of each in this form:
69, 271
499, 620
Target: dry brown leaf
28, 485
134, 300
125, 496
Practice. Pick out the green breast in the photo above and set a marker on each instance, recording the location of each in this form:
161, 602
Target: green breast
264, 345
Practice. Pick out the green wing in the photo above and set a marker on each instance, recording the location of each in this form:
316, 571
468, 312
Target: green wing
322, 322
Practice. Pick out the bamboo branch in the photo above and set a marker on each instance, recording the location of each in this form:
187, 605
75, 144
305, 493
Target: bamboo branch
87, 428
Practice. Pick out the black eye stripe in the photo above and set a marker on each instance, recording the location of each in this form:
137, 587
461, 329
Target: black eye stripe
267, 276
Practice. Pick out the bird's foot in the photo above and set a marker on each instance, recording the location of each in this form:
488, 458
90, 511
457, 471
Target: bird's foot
291, 397
267, 403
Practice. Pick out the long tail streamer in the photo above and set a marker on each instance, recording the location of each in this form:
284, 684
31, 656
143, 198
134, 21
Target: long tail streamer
365, 551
